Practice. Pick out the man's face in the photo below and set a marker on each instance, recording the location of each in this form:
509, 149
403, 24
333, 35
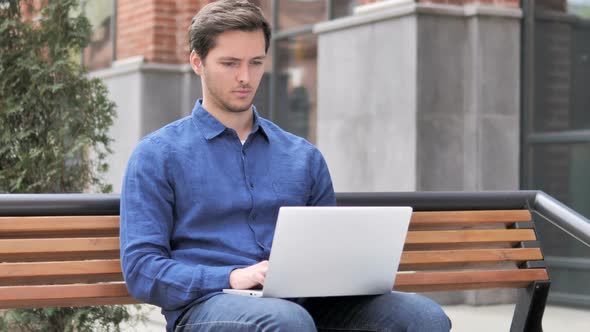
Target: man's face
232, 70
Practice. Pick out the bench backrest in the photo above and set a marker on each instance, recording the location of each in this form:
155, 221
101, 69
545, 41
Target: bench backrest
60, 261
455, 250
74, 260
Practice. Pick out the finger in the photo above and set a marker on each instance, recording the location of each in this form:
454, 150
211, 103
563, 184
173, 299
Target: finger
260, 278
264, 266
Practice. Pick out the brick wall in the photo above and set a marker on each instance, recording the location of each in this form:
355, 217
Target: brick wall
157, 29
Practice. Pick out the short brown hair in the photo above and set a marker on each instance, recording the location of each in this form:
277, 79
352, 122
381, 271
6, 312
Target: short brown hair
224, 15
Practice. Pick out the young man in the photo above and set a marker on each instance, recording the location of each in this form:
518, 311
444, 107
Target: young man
201, 197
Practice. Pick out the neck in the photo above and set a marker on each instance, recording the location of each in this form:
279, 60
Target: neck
241, 122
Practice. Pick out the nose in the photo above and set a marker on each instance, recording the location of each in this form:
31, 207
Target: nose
244, 74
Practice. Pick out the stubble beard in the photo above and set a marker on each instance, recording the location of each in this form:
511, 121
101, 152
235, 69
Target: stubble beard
227, 106
234, 109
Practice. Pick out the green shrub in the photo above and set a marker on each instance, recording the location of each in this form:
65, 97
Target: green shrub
53, 119
54, 122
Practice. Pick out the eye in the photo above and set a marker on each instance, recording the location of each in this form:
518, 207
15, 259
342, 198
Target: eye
257, 63
229, 64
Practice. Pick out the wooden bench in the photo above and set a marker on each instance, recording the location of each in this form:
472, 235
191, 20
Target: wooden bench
50, 259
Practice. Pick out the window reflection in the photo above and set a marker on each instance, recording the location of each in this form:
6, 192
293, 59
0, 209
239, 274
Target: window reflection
579, 7
98, 54
342, 8
297, 13
562, 66
561, 170
297, 85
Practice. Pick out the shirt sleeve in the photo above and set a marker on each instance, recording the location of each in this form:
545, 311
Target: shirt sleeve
147, 203
322, 193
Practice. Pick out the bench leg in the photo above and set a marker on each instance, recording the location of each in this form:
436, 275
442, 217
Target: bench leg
528, 314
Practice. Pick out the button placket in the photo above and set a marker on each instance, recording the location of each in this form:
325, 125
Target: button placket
250, 185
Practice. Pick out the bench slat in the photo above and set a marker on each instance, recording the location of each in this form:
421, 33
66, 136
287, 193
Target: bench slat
59, 226
455, 280
44, 273
470, 236
48, 249
78, 302
64, 295
470, 256
447, 218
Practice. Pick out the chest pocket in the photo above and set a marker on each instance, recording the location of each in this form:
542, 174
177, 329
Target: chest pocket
291, 193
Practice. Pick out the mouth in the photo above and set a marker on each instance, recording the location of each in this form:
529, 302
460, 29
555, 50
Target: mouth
242, 93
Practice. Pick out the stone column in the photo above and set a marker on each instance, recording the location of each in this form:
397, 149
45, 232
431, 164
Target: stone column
416, 96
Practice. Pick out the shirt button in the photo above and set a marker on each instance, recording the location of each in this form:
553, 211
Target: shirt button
251, 185
244, 152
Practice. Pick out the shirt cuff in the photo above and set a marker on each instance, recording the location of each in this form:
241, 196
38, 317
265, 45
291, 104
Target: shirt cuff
217, 277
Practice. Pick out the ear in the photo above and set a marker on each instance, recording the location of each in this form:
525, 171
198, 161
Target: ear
196, 63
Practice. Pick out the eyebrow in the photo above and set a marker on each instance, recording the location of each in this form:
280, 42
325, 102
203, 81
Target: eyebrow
229, 58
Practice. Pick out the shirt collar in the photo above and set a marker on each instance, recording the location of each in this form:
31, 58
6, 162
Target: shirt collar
211, 127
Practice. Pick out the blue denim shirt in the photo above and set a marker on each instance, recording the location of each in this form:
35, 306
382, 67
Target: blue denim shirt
196, 204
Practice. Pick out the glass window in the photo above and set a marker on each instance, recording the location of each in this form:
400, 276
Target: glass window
579, 7
561, 170
562, 74
297, 13
580, 107
558, 5
297, 85
561, 78
98, 54
342, 8
262, 98
295, 78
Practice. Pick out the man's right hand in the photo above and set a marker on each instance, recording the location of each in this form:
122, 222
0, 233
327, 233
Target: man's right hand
248, 277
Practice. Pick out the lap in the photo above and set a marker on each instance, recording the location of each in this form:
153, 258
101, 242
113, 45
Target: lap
227, 312
389, 312
394, 311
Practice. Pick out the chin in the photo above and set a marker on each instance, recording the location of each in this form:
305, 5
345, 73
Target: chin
240, 107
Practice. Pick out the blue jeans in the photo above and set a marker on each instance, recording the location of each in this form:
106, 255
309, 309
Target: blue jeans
390, 312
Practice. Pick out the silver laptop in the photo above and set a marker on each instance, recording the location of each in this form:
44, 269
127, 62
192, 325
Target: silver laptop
334, 251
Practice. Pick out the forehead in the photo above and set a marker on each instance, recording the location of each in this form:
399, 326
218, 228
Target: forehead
239, 44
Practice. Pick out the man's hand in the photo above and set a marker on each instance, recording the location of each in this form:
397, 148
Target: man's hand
248, 277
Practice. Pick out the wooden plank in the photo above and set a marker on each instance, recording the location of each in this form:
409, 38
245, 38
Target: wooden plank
59, 225
457, 287
433, 218
33, 293
457, 246
81, 302
454, 280
470, 236
470, 256
64, 295
45, 249
45, 273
